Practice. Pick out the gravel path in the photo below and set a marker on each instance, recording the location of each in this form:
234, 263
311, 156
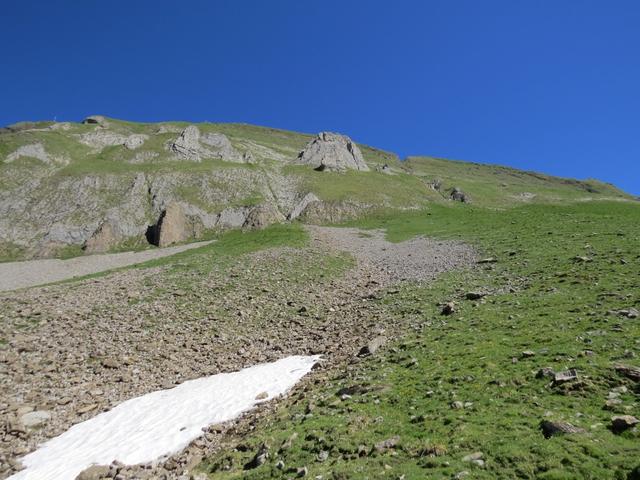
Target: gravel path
14, 275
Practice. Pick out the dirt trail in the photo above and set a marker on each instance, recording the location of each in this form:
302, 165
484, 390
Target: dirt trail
14, 275
77, 349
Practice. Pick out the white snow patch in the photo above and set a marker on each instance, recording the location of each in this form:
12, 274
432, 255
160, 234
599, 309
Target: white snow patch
151, 427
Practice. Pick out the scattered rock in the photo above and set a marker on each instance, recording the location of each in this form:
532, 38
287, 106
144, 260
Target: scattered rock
458, 195
15, 427
94, 472
262, 396
567, 376
475, 295
448, 309
629, 313
475, 458
487, 260
550, 428
373, 345
546, 372
333, 152
632, 373
302, 472
387, 444
110, 363
528, 354
623, 422
259, 459
87, 408
35, 419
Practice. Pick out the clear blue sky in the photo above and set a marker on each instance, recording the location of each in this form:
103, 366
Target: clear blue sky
550, 85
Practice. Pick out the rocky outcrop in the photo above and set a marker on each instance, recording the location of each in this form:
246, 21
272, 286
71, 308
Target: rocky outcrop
331, 212
102, 240
34, 150
190, 145
187, 145
172, 227
232, 217
458, 195
95, 120
262, 216
100, 139
221, 147
135, 141
333, 152
302, 205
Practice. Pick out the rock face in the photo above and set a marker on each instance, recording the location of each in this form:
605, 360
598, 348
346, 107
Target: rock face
190, 145
100, 139
221, 146
302, 205
102, 240
187, 145
331, 212
262, 216
334, 152
35, 150
172, 226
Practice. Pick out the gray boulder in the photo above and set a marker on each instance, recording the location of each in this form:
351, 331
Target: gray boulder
191, 145
333, 152
34, 150
458, 195
221, 146
187, 145
95, 120
262, 216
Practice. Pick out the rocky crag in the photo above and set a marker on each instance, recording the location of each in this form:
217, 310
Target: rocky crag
103, 184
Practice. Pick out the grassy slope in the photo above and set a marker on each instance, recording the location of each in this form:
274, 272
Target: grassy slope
558, 309
498, 186
488, 185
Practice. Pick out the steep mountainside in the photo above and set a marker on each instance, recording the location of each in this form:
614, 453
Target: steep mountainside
106, 184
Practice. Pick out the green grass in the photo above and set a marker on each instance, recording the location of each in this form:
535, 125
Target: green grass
227, 248
369, 188
540, 299
497, 186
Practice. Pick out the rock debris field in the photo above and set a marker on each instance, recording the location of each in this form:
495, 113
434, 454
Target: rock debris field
71, 351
